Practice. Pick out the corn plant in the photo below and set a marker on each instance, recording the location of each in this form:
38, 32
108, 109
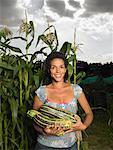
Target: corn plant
49, 37
69, 49
20, 75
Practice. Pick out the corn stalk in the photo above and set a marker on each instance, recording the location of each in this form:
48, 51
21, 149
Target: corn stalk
20, 82
22, 77
6, 133
1, 131
74, 60
25, 28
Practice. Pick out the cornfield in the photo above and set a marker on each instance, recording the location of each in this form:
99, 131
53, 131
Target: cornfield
20, 75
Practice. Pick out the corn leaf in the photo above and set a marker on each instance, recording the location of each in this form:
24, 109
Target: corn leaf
66, 47
70, 71
14, 110
5, 65
15, 49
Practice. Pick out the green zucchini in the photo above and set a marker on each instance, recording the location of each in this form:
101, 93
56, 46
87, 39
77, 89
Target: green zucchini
48, 115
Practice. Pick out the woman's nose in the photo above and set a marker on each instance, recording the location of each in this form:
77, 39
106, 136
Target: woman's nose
57, 70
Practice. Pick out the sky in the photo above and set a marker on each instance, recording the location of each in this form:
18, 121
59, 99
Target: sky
92, 20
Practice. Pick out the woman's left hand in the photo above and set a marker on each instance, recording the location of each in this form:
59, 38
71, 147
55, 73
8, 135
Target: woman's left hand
78, 126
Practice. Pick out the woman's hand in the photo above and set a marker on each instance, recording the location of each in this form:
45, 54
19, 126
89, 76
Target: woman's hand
79, 126
53, 130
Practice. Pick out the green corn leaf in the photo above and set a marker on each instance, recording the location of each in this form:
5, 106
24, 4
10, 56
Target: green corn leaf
71, 58
31, 30
70, 70
49, 28
29, 44
43, 38
15, 49
14, 143
6, 66
2, 49
1, 128
14, 110
17, 37
36, 80
38, 52
81, 75
66, 47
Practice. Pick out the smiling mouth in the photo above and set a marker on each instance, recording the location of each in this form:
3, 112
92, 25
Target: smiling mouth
57, 76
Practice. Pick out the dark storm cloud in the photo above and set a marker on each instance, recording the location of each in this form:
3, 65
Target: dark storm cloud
97, 6
13, 11
58, 7
0, 10
10, 14
74, 4
8, 3
69, 13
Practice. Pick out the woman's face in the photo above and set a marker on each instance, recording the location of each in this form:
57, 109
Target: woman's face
57, 69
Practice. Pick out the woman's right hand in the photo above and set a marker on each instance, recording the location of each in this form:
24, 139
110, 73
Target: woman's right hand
49, 130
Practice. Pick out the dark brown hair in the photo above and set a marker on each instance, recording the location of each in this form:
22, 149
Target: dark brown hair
47, 66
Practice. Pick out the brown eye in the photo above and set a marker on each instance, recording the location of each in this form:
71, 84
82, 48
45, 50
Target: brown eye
62, 67
52, 67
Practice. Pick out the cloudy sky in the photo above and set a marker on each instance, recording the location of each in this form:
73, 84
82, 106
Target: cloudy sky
92, 19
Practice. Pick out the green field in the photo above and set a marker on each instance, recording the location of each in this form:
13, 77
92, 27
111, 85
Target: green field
100, 135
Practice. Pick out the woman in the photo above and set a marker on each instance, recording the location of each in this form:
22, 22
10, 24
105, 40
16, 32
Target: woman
61, 94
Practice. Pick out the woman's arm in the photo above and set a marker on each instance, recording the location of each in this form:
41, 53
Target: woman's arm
37, 103
87, 109
89, 115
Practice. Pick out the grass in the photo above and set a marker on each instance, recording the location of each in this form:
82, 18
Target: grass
100, 135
